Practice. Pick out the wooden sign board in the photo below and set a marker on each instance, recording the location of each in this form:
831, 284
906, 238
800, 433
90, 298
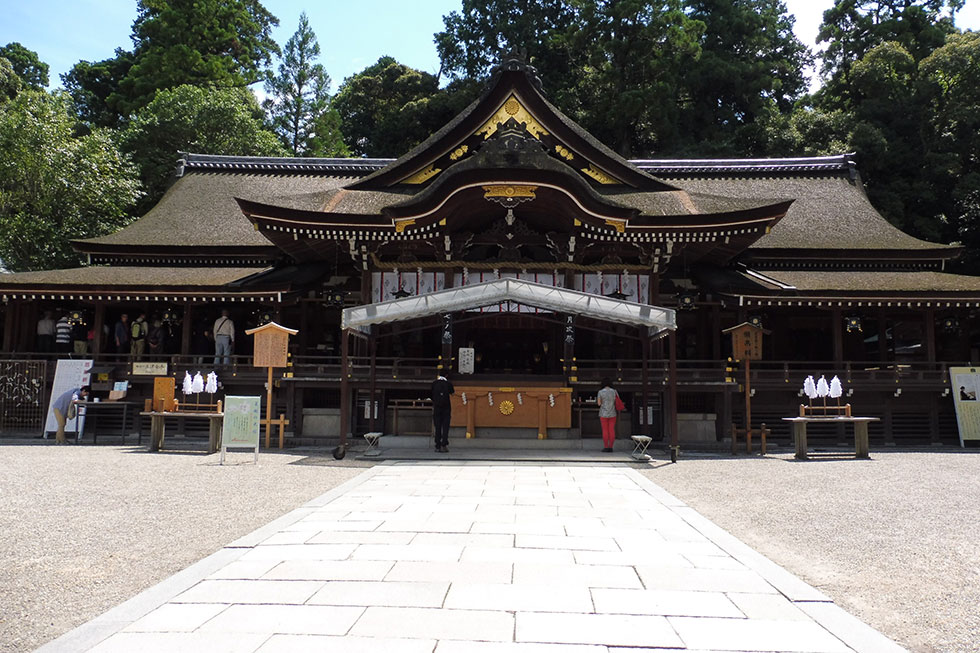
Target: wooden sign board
746, 341
271, 346
240, 424
164, 393
150, 369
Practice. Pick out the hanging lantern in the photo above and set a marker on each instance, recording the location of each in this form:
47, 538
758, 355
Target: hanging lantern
686, 301
756, 321
76, 317
951, 324
853, 323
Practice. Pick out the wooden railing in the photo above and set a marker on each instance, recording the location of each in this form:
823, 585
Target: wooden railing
588, 372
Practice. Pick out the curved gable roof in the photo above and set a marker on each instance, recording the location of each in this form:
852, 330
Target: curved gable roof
513, 92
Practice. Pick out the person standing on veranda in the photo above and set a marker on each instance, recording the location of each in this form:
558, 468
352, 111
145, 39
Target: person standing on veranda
138, 331
63, 408
121, 334
608, 399
62, 335
45, 333
224, 338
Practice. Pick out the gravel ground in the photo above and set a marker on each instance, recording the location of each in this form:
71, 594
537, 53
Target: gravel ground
894, 540
84, 528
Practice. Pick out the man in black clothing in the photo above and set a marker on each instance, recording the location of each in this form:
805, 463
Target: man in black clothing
442, 410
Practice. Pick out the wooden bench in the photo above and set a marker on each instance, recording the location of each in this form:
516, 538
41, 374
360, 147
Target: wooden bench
859, 425
764, 432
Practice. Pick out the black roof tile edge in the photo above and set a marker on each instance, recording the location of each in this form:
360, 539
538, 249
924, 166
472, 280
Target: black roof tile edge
215, 162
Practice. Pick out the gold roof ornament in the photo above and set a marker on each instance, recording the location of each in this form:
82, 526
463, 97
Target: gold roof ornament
512, 108
599, 175
423, 175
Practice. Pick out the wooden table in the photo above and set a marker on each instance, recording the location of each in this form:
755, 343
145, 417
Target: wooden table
860, 426
158, 425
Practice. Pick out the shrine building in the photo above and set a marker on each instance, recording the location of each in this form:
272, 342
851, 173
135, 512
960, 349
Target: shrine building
529, 261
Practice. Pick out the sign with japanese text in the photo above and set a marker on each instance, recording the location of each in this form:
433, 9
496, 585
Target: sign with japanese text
965, 383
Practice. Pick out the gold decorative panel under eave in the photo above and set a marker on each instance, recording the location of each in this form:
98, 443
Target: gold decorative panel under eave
512, 108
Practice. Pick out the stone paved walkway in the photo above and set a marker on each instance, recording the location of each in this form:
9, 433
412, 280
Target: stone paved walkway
490, 558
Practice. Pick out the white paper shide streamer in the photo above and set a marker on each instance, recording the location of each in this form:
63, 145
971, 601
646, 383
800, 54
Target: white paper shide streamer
822, 388
188, 384
835, 388
810, 388
212, 383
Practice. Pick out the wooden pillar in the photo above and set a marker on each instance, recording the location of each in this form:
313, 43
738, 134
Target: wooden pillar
344, 389
929, 334
716, 332
304, 326
98, 327
187, 329
366, 276
643, 412
373, 346
654, 300
570, 369
672, 396
8, 325
837, 328
882, 337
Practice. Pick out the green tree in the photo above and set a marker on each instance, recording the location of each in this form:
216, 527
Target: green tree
193, 119
28, 66
298, 101
631, 57
851, 28
751, 64
91, 83
55, 187
220, 43
10, 83
388, 108
482, 33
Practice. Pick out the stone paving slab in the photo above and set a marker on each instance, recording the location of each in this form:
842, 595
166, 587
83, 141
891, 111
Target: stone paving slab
486, 558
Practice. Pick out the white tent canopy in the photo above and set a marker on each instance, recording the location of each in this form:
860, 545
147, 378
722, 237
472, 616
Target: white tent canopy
551, 298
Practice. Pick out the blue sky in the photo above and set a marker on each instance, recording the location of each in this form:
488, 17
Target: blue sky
352, 35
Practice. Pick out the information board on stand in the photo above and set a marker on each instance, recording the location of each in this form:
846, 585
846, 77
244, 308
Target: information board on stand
68, 375
965, 383
240, 426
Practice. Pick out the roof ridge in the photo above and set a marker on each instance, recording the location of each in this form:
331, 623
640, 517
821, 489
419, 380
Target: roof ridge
193, 161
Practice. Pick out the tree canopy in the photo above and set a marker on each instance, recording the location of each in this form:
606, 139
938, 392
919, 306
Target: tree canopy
54, 186
27, 65
388, 108
193, 119
90, 85
298, 100
218, 43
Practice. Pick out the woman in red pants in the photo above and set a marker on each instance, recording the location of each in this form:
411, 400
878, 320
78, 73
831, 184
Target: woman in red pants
609, 403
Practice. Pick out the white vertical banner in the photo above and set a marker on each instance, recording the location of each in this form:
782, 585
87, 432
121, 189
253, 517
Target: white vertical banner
385, 284
68, 375
636, 287
553, 278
